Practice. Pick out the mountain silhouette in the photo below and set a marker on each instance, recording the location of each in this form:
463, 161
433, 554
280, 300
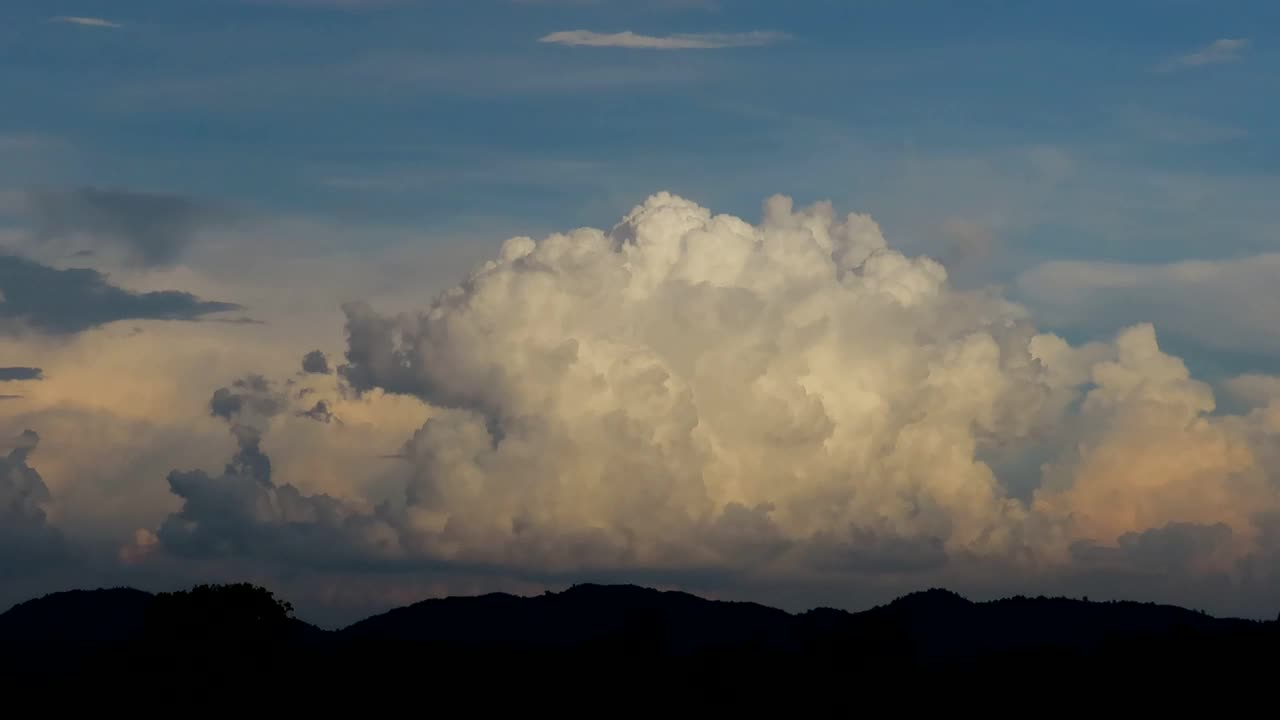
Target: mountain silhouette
593, 618
76, 618
243, 629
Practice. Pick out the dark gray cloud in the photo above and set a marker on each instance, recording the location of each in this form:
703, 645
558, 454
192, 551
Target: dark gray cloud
320, 412
1172, 548
243, 513
247, 406
27, 541
377, 356
315, 363
10, 397
242, 320
741, 531
153, 229
20, 373
865, 551
250, 396
45, 299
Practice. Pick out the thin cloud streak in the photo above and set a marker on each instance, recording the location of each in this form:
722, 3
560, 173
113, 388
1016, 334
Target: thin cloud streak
693, 41
709, 5
85, 21
1222, 50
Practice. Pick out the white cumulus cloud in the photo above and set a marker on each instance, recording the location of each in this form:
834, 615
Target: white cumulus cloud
689, 391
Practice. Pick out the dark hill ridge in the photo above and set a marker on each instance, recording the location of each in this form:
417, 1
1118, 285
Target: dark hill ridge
584, 616
605, 624
939, 624
77, 617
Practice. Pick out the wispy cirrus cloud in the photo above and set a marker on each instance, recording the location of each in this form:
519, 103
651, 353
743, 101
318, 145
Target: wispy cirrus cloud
340, 4
85, 21
654, 4
686, 41
1222, 50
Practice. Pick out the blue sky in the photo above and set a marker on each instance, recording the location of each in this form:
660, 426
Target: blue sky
1086, 130
1102, 163
429, 110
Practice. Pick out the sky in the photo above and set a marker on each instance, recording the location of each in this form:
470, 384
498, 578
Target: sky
810, 303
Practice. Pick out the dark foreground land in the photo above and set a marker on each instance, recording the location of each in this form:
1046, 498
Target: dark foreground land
615, 632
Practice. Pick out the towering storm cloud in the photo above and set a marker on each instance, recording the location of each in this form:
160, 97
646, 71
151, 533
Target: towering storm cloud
690, 391
27, 541
243, 512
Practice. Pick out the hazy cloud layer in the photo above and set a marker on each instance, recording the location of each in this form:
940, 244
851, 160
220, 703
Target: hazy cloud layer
692, 41
149, 228
39, 298
1231, 304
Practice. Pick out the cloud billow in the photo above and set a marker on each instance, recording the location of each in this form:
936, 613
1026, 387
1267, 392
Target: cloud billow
242, 512
691, 394
315, 363
692, 397
27, 541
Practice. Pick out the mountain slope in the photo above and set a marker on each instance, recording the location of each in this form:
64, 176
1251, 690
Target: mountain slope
208, 632
585, 616
77, 617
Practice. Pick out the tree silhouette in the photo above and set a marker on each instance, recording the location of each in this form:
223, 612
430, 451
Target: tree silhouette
219, 616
